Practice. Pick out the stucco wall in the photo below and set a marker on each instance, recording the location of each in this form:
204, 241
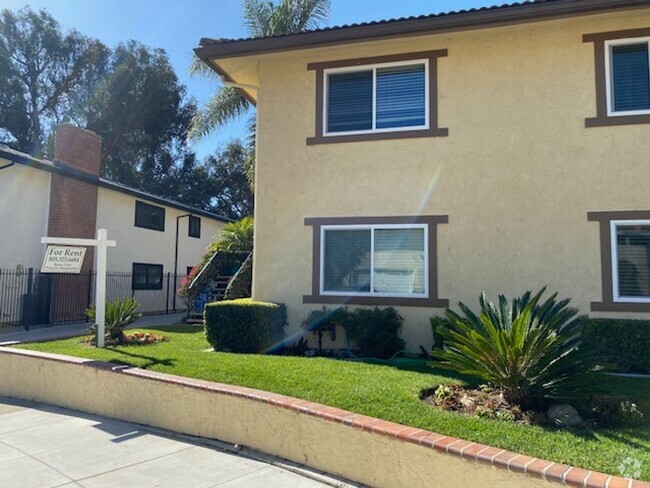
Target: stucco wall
516, 175
116, 213
24, 202
241, 415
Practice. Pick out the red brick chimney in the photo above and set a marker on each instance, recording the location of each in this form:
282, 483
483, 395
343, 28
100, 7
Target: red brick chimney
73, 203
73, 213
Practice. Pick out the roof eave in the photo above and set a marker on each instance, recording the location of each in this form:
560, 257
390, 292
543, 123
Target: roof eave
506, 15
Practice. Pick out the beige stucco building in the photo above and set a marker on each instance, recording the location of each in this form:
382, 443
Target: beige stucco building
520, 169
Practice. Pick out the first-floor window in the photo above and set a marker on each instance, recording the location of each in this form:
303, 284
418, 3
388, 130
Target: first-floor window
147, 276
631, 260
374, 260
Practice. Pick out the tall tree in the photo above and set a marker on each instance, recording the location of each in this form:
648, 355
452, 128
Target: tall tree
233, 196
261, 18
41, 69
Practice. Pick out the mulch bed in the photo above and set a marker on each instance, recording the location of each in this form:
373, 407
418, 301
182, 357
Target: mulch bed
481, 402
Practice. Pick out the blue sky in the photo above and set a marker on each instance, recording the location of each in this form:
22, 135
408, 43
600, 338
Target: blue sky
177, 26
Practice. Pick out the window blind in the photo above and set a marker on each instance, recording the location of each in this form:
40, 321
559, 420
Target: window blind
630, 77
399, 261
349, 101
633, 258
400, 96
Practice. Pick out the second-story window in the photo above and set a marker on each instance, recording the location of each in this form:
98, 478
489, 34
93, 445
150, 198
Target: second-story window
377, 98
628, 78
149, 216
194, 226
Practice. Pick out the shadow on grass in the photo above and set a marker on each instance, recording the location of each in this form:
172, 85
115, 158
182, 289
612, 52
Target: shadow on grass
177, 329
151, 361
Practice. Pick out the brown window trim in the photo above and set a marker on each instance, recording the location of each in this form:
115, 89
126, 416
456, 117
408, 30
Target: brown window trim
431, 301
608, 304
602, 119
432, 131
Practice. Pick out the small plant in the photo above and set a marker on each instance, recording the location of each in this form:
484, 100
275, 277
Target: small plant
529, 349
483, 412
504, 415
120, 313
442, 393
629, 414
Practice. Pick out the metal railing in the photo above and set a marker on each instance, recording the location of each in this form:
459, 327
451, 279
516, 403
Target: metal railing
30, 299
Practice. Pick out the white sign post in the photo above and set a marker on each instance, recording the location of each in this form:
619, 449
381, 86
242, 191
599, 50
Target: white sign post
102, 244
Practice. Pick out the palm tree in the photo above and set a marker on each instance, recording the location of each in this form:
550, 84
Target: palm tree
236, 236
262, 18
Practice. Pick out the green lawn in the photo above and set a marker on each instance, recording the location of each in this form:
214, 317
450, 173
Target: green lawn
388, 391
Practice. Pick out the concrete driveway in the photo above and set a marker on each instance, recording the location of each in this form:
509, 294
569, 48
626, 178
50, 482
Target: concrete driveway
43, 446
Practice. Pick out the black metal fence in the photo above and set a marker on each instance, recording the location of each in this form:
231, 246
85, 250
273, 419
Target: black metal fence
30, 299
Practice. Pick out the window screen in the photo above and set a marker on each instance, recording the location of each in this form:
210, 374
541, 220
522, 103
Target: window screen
349, 102
630, 66
346, 266
633, 260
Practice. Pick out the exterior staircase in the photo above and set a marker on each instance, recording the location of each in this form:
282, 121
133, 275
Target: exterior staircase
217, 291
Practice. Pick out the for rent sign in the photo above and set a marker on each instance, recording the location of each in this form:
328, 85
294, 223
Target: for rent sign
63, 259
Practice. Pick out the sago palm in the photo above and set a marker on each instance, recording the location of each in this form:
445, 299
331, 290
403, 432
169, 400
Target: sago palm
529, 349
262, 19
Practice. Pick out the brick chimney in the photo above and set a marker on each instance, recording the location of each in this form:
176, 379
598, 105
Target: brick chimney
73, 213
73, 203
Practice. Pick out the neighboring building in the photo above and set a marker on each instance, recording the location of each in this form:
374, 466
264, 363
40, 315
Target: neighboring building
417, 162
67, 198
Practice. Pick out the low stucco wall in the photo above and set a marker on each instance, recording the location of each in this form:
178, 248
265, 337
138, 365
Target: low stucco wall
353, 446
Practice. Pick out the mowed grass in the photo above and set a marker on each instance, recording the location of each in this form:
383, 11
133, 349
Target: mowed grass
385, 390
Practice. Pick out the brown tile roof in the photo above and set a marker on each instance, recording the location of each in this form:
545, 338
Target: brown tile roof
206, 41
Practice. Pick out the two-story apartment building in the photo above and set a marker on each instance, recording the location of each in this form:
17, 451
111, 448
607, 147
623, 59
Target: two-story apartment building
67, 198
417, 162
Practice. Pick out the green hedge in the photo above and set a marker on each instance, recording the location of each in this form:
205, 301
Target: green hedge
245, 326
622, 345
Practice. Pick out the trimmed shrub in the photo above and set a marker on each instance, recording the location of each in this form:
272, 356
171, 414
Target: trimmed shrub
622, 345
374, 332
244, 326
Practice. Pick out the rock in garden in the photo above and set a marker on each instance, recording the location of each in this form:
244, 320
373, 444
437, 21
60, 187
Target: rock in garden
564, 415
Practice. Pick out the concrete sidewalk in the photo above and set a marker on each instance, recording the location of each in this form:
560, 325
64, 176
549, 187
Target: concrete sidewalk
43, 446
63, 331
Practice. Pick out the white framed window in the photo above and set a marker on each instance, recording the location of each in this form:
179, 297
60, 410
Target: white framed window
627, 76
383, 260
386, 97
630, 244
